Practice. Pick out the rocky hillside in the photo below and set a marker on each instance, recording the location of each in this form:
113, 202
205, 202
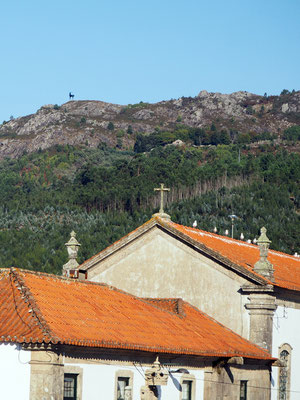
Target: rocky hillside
92, 122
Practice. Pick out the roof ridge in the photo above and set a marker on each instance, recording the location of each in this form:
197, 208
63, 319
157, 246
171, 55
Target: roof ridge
36, 312
214, 253
215, 235
174, 225
218, 236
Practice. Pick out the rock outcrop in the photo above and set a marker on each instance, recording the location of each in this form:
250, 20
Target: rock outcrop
88, 122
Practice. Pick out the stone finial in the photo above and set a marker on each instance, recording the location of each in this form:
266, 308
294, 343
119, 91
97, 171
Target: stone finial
263, 265
70, 269
156, 375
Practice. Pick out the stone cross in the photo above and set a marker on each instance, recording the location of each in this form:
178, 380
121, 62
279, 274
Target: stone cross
162, 189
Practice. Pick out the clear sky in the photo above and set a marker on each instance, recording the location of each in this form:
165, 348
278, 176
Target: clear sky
127, 51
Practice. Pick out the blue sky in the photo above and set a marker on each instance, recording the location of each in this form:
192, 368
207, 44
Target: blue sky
136, 50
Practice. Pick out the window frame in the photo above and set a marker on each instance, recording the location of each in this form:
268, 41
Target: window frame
75, 379
190, 378
288, 348
126, 374
74, 370
244, 382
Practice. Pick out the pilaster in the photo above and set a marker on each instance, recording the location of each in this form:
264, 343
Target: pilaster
261, 309
47, 376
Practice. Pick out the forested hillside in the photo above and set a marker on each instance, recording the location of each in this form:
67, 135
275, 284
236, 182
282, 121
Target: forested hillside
103, 193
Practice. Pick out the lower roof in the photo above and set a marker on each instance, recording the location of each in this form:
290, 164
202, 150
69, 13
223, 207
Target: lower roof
42, 308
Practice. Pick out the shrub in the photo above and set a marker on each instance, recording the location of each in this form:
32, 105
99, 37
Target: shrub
292, 133
110, 126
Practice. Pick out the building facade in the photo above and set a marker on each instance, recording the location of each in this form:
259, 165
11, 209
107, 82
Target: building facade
250, 289
66, 339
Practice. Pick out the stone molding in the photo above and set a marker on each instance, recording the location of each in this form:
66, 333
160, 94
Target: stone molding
287, 366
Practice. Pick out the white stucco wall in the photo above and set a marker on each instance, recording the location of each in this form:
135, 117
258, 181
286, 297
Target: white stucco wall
286, 329
14, 373
99, 382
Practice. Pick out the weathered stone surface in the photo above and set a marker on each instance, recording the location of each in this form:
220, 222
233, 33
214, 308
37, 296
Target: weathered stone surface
261, 309
141, 269
47, 376
85, 122
225, 383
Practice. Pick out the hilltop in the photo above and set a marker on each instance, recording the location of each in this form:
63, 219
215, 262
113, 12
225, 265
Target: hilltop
90, 123
91, 167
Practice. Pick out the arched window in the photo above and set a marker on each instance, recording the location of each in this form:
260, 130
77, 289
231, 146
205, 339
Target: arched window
284, 373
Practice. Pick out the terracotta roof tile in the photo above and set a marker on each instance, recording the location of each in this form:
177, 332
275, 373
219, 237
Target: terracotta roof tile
286, 267
37, 307
242, 254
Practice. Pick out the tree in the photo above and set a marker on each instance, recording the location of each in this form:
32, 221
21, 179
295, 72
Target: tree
224, 137
292, 133
284, 92
110, 126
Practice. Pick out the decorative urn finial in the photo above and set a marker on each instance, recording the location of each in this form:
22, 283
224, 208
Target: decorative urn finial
156, 376
70, 269
263, 265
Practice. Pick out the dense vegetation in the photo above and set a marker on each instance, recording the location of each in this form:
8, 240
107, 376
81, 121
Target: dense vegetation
198, 137
103, 194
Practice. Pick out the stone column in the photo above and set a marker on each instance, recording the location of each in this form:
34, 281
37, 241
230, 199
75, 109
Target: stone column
261, 309
46, 376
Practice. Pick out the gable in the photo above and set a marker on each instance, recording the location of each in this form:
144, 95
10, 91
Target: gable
157, 264
234, 254
286, 267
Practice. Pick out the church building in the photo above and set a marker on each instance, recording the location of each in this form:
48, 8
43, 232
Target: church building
249, 288
168, 312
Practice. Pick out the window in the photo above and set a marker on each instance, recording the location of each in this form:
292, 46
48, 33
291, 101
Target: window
72, 382
187, 390
70, 386
123, 378
122, 383
284, 373
243, 390
188, 387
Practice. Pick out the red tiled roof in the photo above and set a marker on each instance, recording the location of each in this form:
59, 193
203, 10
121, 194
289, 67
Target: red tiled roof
38, 308
286, 267
241, 254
